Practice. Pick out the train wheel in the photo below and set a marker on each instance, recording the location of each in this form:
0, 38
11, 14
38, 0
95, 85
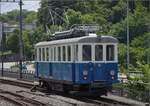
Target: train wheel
66, 88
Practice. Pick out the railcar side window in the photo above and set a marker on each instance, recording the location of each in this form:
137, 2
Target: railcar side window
86, 53
43, 54
39, 54
64, 53
49, 50
69, 53
36, 52
54, 53
59, 53
110, 53
98, 52
76, 52
47, 54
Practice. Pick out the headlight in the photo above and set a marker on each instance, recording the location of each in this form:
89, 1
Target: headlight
85, 72
112, 72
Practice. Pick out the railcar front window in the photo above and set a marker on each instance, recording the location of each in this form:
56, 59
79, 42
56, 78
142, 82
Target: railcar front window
98, 52
86, 53
110, 53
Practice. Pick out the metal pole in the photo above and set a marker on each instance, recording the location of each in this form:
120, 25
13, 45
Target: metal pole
2, 68
128, 45
20, 39
148, 53
2, 47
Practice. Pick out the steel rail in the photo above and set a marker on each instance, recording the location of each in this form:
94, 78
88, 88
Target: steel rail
94, 100
20, 100
10, 100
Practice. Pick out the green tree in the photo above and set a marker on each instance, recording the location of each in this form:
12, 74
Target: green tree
74, 17
119, 11
28, 46
32, 16
13, 42
138, 23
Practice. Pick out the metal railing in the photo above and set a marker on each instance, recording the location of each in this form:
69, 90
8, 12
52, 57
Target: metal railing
26, 74
124, 90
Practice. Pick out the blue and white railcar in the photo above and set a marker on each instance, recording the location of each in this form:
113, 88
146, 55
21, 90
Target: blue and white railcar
88, 63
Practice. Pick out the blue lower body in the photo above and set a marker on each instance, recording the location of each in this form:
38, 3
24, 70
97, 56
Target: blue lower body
73, 72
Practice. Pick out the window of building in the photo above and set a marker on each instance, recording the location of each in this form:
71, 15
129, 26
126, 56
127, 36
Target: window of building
59, 53
69, 53
98, 52
110, 53
64, 53
86, 53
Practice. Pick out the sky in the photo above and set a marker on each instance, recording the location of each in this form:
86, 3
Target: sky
32, 5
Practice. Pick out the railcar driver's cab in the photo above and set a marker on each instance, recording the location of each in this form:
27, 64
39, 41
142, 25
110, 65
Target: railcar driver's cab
96, 53
99, 61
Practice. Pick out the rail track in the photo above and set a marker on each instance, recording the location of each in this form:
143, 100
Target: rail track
19, 100
106, 102
23, 101
20, 83
98, 101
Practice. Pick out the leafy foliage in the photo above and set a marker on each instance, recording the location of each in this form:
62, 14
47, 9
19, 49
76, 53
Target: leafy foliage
111, 16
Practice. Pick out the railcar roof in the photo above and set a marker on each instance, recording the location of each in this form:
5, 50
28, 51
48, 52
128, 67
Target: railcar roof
93, 38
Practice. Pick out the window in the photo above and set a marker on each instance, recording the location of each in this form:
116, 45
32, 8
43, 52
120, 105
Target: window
76, 52
98, 52
36, 52
43, 54
86, 53
110, 53
69, 53
49, 50
64, 53
54, 54
39, 54
59, 53
47, 54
